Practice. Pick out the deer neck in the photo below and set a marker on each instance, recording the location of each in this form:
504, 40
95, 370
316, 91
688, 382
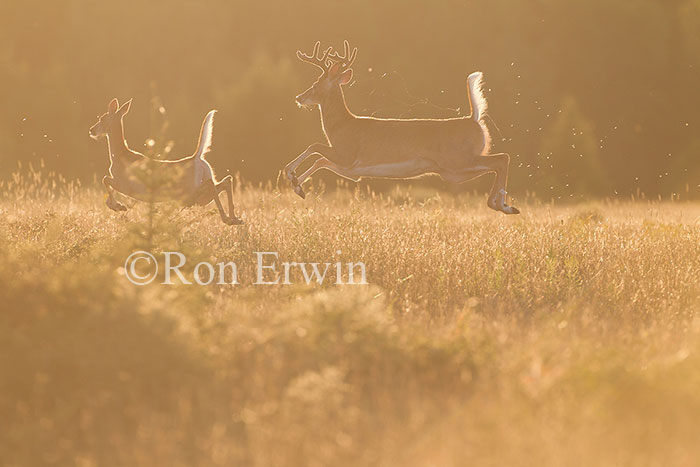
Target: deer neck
334, 112
116, 142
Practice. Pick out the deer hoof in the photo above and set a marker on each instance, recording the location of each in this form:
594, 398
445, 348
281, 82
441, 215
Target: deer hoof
116, 206
234, 221
300, 191
511, 210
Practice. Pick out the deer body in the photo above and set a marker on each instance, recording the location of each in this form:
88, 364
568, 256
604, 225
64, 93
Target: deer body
189, 180
179, 189
441, 144
122, 163
456, 149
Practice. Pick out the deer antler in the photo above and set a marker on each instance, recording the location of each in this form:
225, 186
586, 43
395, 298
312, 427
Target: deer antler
316, 59
347, 59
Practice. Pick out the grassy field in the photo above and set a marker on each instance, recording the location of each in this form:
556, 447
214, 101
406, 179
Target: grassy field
568, 335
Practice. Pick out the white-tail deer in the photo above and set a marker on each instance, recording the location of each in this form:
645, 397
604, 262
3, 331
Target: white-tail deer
457, 149
189, 180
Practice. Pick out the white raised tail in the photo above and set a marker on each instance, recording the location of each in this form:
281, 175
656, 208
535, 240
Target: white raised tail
479, 106
205, 136
477, 101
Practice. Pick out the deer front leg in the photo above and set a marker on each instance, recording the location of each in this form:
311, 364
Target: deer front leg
290, 169
111, 203
324, 163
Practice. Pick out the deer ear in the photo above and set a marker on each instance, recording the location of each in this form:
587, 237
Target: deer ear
113, 106
125, 108
345, 77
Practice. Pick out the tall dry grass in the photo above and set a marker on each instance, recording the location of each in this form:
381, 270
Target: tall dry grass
565, 336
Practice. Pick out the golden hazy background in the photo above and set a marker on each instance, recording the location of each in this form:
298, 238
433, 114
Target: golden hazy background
591, 98
568, 335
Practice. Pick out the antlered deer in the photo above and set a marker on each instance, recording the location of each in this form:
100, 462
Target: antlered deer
456, 148
189, 180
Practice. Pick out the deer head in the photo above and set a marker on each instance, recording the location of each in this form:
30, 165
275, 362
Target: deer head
108, 121
335, 69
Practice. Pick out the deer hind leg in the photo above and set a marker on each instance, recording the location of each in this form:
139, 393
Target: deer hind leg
497, 198
497, 163
226, 184
209, 191
111, 203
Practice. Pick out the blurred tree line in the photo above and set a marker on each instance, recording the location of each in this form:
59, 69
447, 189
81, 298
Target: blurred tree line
591, 98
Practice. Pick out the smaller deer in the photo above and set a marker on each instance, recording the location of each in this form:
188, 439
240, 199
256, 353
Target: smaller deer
189, 180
